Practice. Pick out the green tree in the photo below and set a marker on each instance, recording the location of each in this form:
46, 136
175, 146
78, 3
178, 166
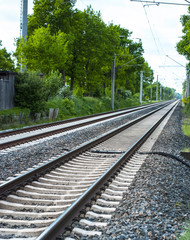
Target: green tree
43, 51
55, 13
183, 46
80, 46
92, 50
6, 62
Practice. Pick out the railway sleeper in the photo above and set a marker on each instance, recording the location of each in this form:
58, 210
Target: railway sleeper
63, 187
92, 223
116, 187
53, 190
35, 195
85, 232
118, 183
25, 200
82, 169
25, 207
81, 172
90, 158
4, 212
31, 232
16, 222
103, 202
87, 163
29, 238
64, 178
66, 183
95, 173
101, 209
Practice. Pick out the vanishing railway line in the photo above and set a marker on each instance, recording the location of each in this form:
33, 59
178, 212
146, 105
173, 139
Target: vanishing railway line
42, 202
16, 137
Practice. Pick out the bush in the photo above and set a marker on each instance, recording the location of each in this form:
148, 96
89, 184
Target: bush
65, 92
30, 92
53, 82
66, 107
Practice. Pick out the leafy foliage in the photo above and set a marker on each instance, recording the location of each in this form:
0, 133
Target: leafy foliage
6, 62
80, 46
43, 51
30, 92
65, 92
53, 82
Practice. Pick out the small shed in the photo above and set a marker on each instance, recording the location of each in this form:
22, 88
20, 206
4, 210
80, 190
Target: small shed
7, 91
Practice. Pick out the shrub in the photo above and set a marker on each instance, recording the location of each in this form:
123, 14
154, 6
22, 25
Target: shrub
66, 106
65, 92
30, 92
53, 82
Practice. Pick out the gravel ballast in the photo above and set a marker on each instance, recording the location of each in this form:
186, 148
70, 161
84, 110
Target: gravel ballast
20, 159
158, 201
156, 206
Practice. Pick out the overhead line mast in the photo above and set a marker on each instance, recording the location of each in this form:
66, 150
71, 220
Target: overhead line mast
23, 18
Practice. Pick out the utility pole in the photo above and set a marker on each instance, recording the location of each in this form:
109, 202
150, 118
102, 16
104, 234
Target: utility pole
160, 92
187, 86
113, 83
24, 21
113, 77
157, 89
164, 93
23, 25
141, 87
151, 91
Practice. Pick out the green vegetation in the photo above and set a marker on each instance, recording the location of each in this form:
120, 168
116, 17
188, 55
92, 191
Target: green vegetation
186, 119
186, 127
186, 235
81, 47
69, 56
6, 62
68, 108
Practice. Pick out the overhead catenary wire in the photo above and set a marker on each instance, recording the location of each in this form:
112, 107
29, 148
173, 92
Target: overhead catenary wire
153, 34
151, 30
158, 3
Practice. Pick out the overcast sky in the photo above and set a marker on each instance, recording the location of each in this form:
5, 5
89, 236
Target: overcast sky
158, 27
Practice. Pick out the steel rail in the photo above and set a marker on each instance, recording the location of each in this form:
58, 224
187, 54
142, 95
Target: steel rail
62, 222
46, 125
52, 132
33, 174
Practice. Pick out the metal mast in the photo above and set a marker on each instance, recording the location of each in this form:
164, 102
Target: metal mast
23, 18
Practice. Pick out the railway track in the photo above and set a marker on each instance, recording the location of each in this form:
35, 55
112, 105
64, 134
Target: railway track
13, 138
54, 193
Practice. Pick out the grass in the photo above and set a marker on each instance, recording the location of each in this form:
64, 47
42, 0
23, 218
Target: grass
186, 131
186, 235
186, 127
68, 108
186, 121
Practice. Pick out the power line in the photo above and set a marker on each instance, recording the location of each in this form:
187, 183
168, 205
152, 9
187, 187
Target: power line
151, 30
158, 3
158, 39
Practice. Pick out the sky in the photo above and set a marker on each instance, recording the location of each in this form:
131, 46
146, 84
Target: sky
158, 27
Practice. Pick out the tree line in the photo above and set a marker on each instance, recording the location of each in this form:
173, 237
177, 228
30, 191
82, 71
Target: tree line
80, 47
183, 48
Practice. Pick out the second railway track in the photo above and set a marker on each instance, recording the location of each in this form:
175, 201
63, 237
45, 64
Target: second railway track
13, 138
34, 200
